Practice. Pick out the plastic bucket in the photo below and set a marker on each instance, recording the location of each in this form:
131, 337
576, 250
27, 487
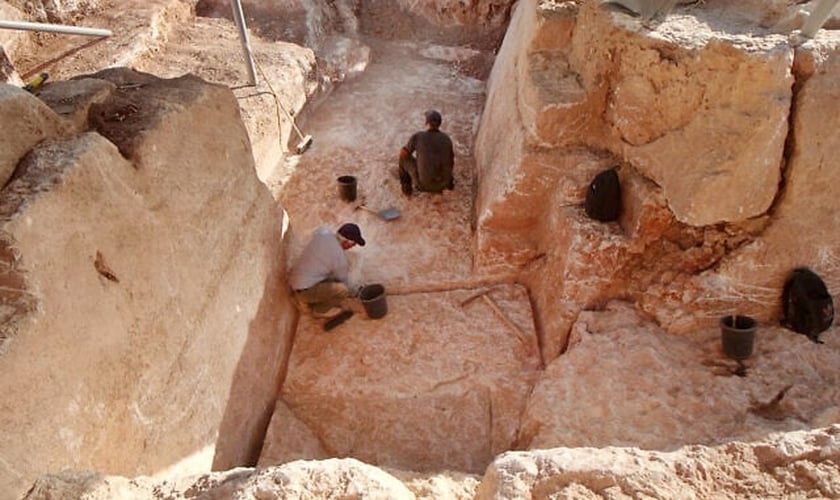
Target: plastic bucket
737, 336
347, 188
373, 300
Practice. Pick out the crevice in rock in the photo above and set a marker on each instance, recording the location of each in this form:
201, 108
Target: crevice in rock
799, 80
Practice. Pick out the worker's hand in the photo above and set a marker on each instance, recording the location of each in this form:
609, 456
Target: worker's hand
404, 153
355, 290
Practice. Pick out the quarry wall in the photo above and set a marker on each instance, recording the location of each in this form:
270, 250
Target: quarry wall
144, 267
715, 128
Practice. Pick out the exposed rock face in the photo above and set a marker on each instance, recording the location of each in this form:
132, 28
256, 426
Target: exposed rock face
695, 111
802, 462
478, 24
73, 99
342, 478
8, 73
9, 40
288, 70
483, 13
329, 28
55, 11
147, 257
682, 389
803, 228
301, 22
729, 101
28, 122
778, 466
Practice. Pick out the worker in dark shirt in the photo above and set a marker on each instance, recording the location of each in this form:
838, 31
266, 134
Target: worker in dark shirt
426, 160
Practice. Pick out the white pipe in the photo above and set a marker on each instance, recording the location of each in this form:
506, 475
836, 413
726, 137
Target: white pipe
818, 17
54, 28
239, 18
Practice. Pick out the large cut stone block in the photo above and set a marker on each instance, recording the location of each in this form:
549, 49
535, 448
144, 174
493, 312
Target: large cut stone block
153, 289
432, 385
26, 122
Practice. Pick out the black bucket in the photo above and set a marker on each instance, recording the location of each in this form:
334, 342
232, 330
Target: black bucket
738, 336
347, 187
373, 299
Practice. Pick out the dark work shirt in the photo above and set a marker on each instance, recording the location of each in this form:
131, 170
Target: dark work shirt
435, 158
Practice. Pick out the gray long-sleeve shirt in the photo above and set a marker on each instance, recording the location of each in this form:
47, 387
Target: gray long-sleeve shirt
322, 259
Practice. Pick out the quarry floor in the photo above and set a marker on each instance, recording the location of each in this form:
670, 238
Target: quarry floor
358, 132
687, 392
423, 258
625, 383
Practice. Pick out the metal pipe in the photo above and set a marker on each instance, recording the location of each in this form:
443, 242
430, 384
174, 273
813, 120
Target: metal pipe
54, 28
239, 18
818, 17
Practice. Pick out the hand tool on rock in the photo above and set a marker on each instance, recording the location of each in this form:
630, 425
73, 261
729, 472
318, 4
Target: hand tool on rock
35, 83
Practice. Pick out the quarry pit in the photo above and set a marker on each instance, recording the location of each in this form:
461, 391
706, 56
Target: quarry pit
154, 203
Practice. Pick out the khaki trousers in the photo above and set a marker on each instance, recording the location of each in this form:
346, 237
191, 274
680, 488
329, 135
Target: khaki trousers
323, 296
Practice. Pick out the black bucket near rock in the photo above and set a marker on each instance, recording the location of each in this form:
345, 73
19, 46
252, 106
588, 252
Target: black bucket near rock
373, 300
737, 336
347, 188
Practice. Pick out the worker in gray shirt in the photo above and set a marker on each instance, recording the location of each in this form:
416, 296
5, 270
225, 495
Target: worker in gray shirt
426, 160
319, 278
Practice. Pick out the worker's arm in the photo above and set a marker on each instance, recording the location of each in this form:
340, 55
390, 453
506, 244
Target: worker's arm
340, 270
409, 147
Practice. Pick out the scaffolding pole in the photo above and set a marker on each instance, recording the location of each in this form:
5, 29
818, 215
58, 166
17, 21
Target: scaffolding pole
818, 17
54, 28
239, 18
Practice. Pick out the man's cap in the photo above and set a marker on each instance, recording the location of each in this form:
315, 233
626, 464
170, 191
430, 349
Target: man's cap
433, 117
352, 232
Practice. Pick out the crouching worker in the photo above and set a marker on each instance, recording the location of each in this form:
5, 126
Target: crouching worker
319, 278
426, 160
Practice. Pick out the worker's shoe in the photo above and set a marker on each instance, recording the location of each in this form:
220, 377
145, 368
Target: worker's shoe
338, 319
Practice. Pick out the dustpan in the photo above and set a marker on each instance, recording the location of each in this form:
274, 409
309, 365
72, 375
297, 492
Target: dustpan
389, 213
